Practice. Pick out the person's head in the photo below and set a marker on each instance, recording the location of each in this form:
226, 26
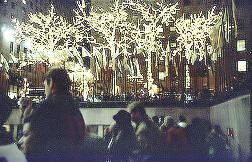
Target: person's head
168, 121
5, 108
155, 119
122, 118
57, 81
137, 111
182, 118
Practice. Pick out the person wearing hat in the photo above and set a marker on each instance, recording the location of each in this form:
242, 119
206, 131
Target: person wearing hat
147, 133
123, 141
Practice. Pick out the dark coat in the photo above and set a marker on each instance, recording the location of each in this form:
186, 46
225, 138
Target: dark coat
60, 123
123, 141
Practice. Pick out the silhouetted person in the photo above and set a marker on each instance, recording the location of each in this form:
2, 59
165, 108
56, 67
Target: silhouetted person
9, 152
123, 141
155, 119
182, 121
25, 106
147, 133
63, 128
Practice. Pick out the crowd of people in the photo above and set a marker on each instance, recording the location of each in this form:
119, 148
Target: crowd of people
54, 130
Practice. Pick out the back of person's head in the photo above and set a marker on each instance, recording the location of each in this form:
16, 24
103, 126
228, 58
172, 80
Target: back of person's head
60, 78
155, 119
122, 118
168, 123
137, 106
182, 118
5, 107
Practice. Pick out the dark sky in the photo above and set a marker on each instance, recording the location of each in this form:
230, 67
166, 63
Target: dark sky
64, 7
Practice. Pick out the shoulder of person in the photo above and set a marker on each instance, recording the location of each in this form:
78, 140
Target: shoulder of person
142, 127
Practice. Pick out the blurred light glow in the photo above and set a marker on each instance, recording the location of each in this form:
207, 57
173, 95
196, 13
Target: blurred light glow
28, 44
8, 33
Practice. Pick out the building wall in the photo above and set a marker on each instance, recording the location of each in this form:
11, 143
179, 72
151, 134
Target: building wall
96, 116
104, 116
235, 114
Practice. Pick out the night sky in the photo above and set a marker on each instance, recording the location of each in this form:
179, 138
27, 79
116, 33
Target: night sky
64, 7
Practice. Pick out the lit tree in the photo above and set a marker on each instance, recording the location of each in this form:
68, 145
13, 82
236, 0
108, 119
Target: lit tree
50, 38
110, 30
194, 40
125, 33
53, 40
151, 19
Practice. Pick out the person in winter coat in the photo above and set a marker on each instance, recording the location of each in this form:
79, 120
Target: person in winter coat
58, 121
123, 141
147, 133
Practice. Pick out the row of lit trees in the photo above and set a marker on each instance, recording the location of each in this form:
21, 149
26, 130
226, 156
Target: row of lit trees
130, 28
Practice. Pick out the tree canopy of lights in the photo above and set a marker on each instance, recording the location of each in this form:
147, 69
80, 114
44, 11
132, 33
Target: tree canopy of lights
129, 28
49, 38
110, 29
194, 40
151, 21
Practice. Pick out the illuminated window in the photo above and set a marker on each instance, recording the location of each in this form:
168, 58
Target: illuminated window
241, 45
242, 66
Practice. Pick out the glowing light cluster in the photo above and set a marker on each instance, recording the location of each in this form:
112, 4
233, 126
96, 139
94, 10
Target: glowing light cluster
194, 40
130, 28
49, 38
150, 24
